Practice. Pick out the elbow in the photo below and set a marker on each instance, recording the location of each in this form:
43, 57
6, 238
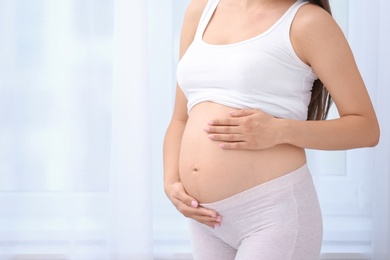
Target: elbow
374, 135
376, 138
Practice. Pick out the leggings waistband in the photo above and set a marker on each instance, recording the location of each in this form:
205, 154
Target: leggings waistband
262, 190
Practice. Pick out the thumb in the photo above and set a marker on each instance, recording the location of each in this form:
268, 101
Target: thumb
188, 200
191, 202
194, 203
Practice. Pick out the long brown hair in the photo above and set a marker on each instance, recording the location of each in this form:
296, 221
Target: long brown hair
320, 98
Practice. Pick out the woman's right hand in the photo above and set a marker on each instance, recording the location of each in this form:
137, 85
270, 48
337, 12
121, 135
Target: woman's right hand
189, 207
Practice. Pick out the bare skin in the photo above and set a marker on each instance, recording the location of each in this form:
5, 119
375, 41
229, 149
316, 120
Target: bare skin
217, 151
210, 173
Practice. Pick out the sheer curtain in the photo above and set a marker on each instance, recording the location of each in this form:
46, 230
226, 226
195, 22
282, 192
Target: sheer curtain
369, 37
130, 190
372, 37
86, 93
75, 176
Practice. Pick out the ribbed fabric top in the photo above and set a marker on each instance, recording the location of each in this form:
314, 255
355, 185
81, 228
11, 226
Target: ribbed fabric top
262, 72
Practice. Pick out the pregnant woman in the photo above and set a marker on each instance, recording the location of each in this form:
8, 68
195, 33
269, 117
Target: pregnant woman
250, 98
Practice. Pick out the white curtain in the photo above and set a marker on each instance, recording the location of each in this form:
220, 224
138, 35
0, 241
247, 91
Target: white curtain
130, 190
75, 170
372, 37
86, 93
369, 34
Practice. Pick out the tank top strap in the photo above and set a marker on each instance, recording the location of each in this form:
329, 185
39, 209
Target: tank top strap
290, 15
205, 17
283, 29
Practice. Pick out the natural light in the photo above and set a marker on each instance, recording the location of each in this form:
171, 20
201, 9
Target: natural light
86, 93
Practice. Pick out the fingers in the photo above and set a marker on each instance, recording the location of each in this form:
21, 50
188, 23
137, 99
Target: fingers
226, 137
182, 196
243, 112
242, 131
230, 137
204, 216
234, 146
224, 122
235, 116
222, 129
189, 207
228, 125
230, 141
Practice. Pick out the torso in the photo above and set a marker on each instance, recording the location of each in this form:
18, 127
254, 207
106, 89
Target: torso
210, 173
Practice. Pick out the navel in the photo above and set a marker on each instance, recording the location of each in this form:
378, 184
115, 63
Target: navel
195, 169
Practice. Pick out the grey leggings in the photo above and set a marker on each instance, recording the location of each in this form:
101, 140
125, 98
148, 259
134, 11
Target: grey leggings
277, 220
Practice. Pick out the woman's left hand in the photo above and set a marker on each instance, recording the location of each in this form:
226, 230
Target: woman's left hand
248, 129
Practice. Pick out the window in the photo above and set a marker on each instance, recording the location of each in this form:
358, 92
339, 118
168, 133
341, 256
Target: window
56, 81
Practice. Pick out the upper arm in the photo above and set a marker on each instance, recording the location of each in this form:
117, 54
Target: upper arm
190, 24
320, 42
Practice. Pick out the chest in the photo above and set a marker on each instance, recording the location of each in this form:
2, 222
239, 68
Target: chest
230, 25
240, 67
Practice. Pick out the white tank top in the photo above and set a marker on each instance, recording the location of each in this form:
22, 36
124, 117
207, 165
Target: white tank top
262, 72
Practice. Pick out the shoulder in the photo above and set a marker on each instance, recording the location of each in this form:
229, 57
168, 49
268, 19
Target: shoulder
314, 29
190, 24
311, 19
194, 10
197, 6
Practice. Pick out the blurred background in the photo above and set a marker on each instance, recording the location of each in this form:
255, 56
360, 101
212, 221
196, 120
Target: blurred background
86, 93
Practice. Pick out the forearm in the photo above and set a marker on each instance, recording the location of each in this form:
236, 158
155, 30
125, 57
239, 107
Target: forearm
348, 132
171, 151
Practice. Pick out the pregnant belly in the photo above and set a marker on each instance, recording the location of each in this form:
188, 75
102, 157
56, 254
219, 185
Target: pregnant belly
210, 173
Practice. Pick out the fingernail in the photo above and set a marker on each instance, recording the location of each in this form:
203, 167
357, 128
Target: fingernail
211, 122
211, 136
218, 219
222, 145
194, 204
207, 129
232, 112
217, 225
